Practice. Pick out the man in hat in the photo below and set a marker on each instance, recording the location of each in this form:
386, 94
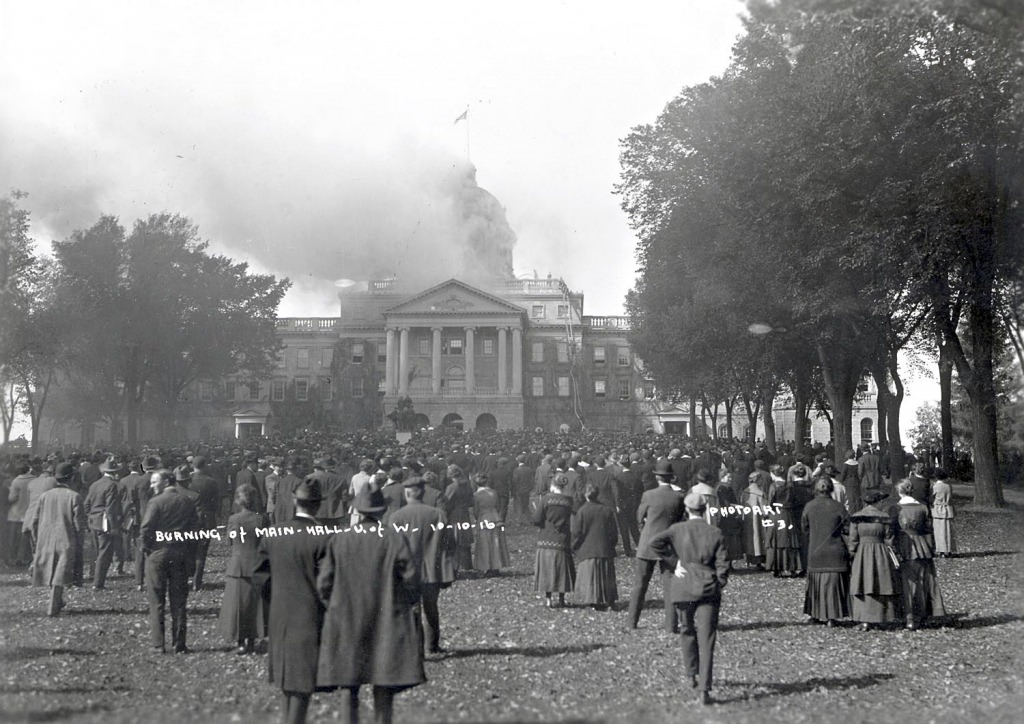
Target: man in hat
522, 484
371, 629
335, 491
296, 611
36, 487
286, 486
207, 506
167, 556
57, 524
247, 475
432, 545
18, 546
659, 508
694, 552
103, 509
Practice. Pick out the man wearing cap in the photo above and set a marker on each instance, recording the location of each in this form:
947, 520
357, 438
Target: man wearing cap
168, 512
103, 509
57, 524
207, 506
432, 545
694, 552
659, 508
296, 611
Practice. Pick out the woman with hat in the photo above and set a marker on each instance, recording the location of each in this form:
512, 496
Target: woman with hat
874, 587
58, 525
241, 609
783, 540
554, 571
916, 548
370, 581
754, 497
824, 523
490, 551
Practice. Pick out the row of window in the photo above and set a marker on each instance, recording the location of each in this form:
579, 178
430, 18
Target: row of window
563, 349
539, 311
454, 346
246, 391
602, 388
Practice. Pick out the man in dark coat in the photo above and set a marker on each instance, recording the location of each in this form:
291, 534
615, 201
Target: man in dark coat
659, 509
141, 493
335, 490
371, 631
247, 476
433, 546
167, 558
285, 508
207, 507
630, 490
293, 563
695, 553
103, 509
522, 484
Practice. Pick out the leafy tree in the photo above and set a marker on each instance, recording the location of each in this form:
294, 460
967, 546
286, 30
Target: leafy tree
155, 312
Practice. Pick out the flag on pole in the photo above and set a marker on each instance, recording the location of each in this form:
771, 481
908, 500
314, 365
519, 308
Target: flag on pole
464, 116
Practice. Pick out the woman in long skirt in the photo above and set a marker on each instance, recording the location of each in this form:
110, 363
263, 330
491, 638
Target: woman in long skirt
490, 552
594, 535
728, 520
874, 578
554, 571
921, 596
942, 515
241, 611
755, 498
783, 538
824, 522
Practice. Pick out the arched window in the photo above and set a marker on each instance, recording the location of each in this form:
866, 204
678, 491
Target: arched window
866, 430
453, 419
486, 423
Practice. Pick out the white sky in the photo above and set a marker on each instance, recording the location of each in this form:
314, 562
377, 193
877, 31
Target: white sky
221, 110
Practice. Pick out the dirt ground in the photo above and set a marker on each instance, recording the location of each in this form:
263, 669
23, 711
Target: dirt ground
512, 660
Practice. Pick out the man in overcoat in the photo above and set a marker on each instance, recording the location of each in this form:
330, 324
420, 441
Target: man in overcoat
695, 553
57, 524
293, 563
371, 635
433, 545
207, 507
659, 508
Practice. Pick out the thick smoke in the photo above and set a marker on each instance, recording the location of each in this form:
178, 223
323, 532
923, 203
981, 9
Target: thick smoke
312, 206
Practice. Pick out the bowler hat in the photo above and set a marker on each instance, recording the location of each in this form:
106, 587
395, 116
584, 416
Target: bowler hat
663, 469
309, 490
182, 473
64, 471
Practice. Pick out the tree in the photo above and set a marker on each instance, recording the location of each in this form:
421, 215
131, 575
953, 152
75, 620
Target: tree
157, 312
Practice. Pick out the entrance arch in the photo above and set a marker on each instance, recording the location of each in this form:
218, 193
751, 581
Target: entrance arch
452, 419
421, 421
486, 423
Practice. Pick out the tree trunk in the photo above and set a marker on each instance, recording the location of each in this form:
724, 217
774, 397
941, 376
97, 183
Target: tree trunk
800, 404
767, 403
842, 372
693, 416
946, 405
895, 439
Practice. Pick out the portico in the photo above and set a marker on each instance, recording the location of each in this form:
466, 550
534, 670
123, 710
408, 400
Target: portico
449, 350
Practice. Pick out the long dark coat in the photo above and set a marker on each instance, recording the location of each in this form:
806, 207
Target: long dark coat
371, 631
594, 532
296, 611
824, 521
58, 524
659, 508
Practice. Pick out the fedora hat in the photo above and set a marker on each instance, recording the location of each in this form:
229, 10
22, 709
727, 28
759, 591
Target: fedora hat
309, 490
110, 465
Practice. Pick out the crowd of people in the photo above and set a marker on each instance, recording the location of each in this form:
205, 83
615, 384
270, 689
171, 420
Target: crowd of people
342, 546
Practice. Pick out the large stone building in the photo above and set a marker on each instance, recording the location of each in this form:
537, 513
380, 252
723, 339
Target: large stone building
517, 354
514, 353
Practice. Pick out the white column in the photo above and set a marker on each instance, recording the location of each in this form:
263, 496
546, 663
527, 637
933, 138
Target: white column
389, 362
470, 354
403, 361
517, 361
502, 360
435, 361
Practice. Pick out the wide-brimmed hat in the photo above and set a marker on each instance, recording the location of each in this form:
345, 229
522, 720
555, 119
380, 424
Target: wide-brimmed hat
110, 465
694, 501
152, 462
182, 473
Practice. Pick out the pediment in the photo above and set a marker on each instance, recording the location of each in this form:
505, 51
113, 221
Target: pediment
454, 297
